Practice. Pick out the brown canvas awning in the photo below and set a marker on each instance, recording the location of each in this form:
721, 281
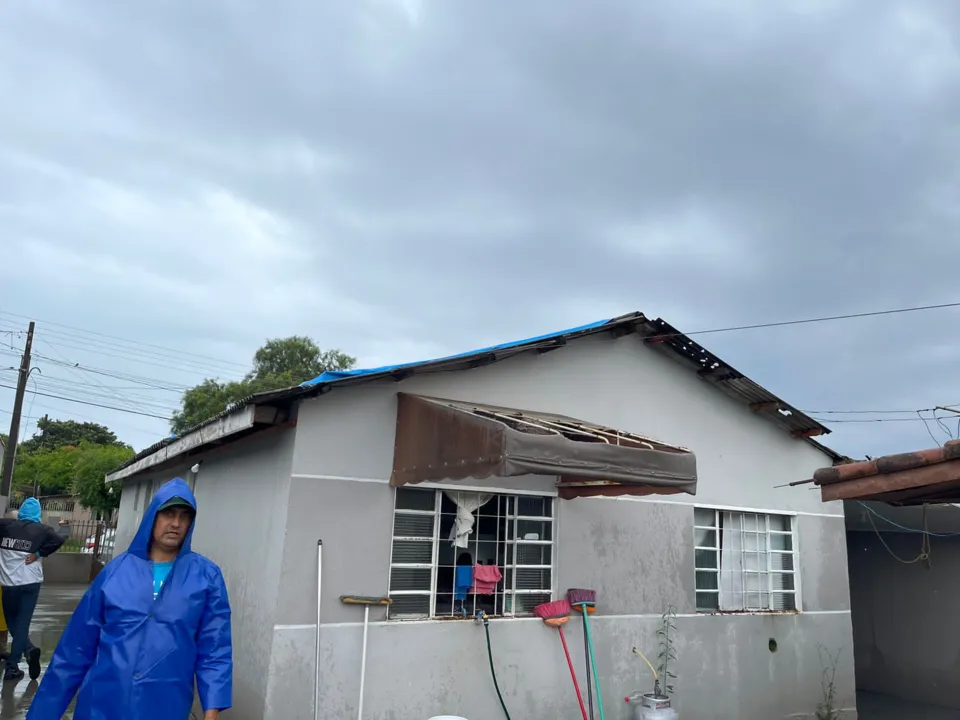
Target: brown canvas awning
451, 440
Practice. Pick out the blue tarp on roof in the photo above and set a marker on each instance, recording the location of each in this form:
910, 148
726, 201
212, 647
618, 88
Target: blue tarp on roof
334, 375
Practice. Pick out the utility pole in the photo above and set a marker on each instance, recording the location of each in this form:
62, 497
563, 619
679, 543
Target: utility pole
13, 438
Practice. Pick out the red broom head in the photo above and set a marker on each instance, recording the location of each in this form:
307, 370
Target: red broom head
580, 597
554, 613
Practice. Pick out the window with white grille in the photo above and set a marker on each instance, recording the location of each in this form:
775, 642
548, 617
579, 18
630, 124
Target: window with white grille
745, 562
513, 533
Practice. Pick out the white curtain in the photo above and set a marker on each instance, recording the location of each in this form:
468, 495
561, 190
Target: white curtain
467, 504
731, 564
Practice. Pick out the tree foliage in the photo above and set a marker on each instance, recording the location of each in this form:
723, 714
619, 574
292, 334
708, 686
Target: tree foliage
279, 363
92, 463
53, 434
75, 469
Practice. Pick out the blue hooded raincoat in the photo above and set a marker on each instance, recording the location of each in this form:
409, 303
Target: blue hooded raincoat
132, 656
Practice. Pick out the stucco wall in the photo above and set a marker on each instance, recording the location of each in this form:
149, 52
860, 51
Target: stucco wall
905, 621
637, 553
242, 500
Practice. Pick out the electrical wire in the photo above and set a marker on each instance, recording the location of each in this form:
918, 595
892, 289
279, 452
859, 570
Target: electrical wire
925, 548
904, 528
826, 318
92, 404
177, 353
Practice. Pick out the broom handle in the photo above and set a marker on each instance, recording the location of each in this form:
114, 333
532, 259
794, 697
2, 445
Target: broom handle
586, 662
593, 662
573, 673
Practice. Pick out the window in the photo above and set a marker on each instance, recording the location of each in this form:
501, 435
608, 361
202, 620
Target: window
744, 562
513, 533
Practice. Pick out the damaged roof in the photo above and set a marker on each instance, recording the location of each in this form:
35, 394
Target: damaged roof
911, 478
657, 334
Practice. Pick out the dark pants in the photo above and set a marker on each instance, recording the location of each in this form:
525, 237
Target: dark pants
19, 602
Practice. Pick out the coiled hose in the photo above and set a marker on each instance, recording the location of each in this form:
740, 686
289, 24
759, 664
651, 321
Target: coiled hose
493, 672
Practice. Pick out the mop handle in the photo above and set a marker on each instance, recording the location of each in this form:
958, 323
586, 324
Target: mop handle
593, 661
363, 660
586, 662
573, 673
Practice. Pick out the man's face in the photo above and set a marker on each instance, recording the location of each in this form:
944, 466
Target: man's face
171, 526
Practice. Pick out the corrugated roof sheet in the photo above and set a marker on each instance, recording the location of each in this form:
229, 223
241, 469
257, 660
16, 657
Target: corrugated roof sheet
657, 333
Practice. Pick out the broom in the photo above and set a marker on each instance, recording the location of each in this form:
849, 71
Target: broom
556, 614
586, 602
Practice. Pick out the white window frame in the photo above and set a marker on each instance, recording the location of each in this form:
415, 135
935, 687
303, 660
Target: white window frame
436, 540
765, 531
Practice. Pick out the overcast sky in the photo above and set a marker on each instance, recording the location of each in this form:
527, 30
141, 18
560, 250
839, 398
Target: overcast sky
404, 179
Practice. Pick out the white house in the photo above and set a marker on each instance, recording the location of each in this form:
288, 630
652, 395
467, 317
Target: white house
757, 574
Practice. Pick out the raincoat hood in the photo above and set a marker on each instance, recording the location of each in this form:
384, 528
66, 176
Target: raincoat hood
141, 541
30, 510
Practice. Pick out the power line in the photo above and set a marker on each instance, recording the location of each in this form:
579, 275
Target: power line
125, 340
827, 318
92, 404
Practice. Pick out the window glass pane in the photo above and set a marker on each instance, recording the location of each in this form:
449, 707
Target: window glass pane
408, 499
750, 523
780, 522
707, 581
526, 602
528, 579
706, 559
533, 554
420, 526
534, 530
708, 601
410, 579
412, 551
782, 582
533, 506
410, 606
704, 517
781, 561
783, 601
705, 538
781, 542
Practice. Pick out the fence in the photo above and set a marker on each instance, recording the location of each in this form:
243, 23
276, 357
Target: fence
90, 537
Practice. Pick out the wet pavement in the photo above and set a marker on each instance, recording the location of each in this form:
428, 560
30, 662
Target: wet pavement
54, 609
880, 707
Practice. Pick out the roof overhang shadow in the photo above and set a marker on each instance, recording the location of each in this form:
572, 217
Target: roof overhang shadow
439, 439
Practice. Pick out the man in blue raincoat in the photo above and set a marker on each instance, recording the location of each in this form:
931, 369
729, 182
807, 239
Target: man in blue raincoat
154, 619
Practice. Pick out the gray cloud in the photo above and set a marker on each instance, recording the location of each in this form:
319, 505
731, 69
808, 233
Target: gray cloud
409, 179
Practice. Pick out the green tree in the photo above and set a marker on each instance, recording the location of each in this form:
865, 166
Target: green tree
280, 363
52, 470
91, 464
53, 434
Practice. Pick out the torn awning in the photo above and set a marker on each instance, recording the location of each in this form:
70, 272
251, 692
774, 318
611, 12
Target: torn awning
440, 439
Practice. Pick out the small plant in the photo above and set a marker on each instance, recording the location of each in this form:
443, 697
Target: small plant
827, 707
666, 653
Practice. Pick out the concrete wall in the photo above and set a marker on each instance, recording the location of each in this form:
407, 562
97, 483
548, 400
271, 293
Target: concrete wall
906, 627
67, 568
637, 553
242, 501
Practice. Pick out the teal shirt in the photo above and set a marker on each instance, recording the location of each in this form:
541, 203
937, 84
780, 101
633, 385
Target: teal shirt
160, 572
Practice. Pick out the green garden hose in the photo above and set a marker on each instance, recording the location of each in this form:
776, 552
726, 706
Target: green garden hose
493, 672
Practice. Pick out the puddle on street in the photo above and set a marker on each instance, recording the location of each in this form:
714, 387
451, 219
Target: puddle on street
56, 605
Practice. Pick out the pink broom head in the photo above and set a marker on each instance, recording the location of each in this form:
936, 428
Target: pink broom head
554, 613
579, 597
